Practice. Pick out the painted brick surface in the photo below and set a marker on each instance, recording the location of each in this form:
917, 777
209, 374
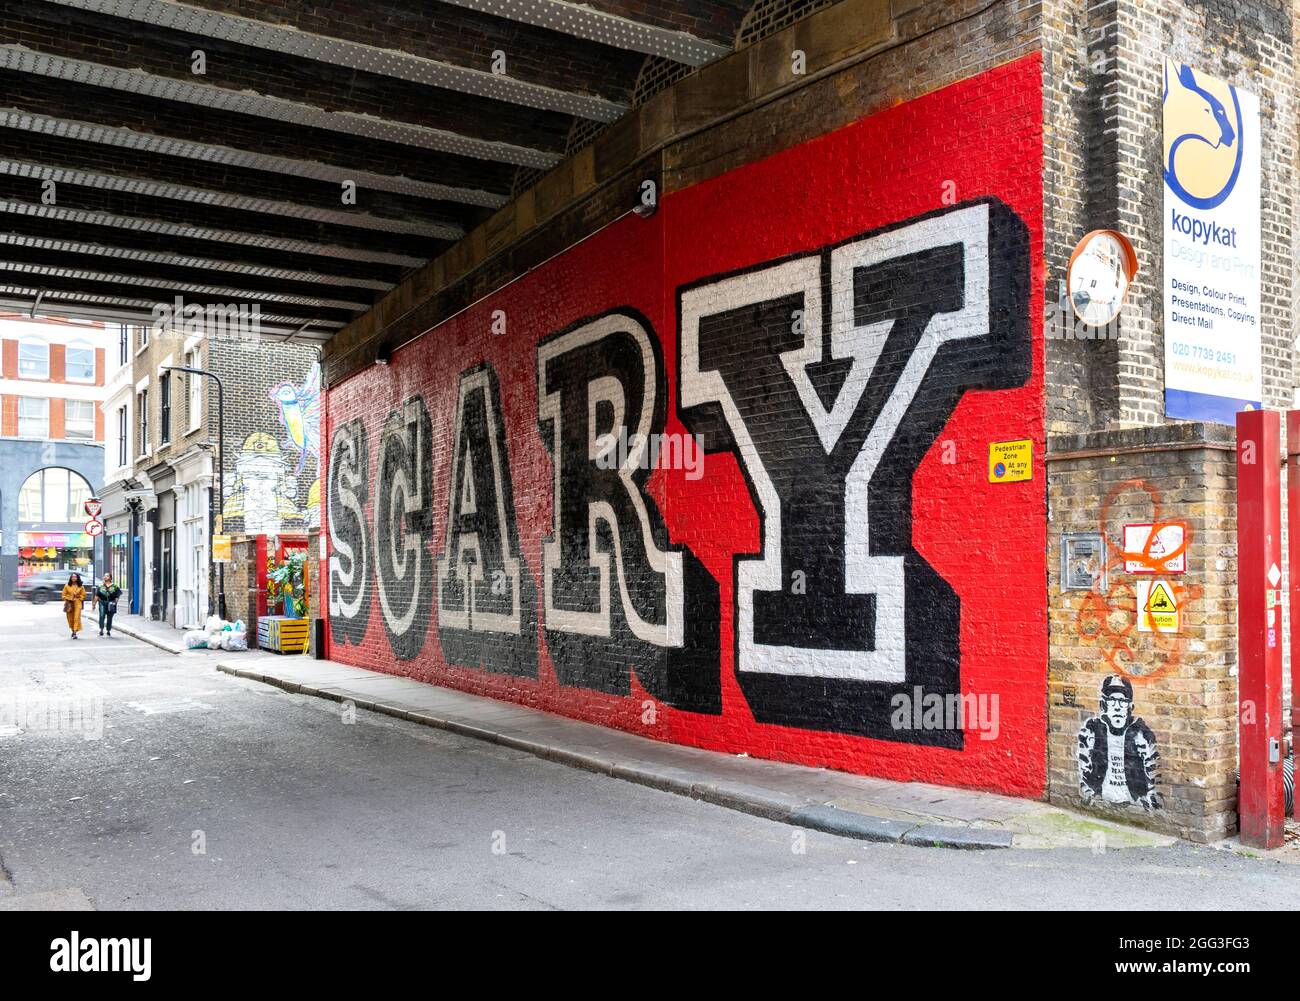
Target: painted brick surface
1184, 686
841, 545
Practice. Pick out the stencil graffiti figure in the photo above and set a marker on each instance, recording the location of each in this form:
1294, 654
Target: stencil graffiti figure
1118, 759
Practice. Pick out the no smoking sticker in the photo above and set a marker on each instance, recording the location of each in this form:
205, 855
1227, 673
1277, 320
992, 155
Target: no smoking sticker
1158, 610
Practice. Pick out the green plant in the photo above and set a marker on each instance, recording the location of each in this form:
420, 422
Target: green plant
285, 580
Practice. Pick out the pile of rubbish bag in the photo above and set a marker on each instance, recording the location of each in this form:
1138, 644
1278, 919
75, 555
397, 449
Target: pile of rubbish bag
218, 634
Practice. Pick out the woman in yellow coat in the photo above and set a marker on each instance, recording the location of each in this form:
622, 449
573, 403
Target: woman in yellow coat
74, 595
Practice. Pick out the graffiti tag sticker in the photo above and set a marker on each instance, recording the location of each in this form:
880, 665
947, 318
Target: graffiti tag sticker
1166, 545
1011, 461
1157, 607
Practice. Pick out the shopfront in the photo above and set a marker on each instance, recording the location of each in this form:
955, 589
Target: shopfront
38, 551
44, 487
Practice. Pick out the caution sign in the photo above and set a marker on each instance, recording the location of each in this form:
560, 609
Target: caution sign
1011, 461
1158, 610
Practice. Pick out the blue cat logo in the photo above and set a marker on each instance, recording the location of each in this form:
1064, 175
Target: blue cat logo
1203, 140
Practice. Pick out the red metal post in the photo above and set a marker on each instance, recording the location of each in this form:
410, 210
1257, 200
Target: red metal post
1259, 628
260, 557
1293, 554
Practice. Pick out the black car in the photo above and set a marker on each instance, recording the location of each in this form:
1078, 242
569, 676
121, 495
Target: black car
38, 588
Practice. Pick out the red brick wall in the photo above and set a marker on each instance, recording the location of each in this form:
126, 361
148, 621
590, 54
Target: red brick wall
9, 351
56, 419
840, 560
8, 415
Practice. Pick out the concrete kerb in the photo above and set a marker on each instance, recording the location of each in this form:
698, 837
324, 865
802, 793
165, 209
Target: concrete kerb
126, 629
732, 796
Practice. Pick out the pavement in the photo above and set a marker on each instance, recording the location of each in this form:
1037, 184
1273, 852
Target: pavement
853, 806
156, 634
134, 779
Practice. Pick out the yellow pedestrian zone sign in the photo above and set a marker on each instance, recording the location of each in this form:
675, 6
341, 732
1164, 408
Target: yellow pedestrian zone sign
1011, 461
1158, 610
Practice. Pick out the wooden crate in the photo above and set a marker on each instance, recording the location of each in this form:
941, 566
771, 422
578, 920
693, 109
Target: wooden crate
282, 635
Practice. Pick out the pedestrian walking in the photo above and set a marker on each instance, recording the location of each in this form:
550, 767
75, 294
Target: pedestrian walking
106, 595
74, 594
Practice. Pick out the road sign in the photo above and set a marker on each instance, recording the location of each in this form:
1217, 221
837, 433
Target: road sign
93, 507
94, 527
1011, 461
221, 549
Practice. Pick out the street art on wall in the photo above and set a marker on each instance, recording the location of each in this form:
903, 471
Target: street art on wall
1118, 759
348, 601
264, 493
299, 408
796, 525
486, 601
920, 313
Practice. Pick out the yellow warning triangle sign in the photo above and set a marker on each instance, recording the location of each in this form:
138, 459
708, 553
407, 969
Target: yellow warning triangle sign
1161, 600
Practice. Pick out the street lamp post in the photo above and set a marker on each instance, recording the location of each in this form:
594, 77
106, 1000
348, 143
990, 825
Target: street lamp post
220, 602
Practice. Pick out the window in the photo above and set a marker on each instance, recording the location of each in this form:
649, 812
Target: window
29, 499
53, 494
192, 360
165, 409
33, 417
142, 433
123, 344
122, 428
33, 360
78, 494
144, 338
79, 420
79, 363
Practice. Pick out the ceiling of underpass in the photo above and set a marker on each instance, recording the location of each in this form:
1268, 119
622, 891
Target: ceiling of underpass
204, 149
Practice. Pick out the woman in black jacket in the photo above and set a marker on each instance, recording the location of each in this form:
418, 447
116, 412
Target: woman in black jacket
106, 596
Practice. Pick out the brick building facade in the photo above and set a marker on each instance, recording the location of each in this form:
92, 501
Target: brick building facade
160, 501
52, 378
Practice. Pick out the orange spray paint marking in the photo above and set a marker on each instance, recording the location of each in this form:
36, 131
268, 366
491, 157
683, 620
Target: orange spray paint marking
1093, 621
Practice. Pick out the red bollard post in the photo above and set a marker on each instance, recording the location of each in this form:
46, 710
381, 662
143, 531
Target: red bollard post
1293, 554
1259, 626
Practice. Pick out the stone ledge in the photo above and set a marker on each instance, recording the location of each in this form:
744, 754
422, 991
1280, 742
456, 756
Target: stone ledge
1180, 434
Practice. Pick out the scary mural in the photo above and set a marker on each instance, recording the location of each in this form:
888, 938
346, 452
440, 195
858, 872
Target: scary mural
839, 331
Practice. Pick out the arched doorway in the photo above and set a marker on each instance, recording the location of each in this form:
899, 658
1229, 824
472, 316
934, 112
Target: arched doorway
51, 515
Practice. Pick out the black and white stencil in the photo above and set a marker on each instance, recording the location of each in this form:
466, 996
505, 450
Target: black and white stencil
830, 375
616, 596
349, 556
485, 593
403, 525
1119, 764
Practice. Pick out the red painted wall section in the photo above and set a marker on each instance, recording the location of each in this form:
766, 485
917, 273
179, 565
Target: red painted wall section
847, 326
